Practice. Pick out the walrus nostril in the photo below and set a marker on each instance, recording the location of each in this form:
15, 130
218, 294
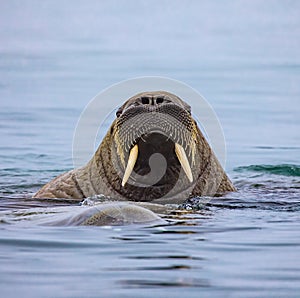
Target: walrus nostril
152, 101
159, 100
145, 100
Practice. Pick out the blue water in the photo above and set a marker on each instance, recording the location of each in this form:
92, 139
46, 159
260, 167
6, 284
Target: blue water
242, 56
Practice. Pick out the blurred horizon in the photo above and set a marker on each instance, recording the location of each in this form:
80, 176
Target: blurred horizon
242, 56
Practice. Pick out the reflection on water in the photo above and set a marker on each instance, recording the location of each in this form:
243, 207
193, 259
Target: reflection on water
243, 56
205, 251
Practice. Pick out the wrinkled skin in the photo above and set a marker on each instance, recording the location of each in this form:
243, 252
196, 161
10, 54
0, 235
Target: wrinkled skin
153, 122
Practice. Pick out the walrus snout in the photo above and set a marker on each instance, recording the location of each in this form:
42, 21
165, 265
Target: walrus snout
157, 115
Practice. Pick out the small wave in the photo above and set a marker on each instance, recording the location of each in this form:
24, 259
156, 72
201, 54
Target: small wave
284, 169
279, 147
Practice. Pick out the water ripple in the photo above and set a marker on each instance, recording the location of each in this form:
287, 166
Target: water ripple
283, 169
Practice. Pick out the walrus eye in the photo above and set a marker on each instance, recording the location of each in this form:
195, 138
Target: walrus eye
188, 108
119, 111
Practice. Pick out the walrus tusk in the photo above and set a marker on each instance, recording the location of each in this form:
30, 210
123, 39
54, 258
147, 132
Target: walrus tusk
130, 164
180, 153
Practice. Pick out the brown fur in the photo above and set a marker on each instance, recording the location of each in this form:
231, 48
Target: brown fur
99, 176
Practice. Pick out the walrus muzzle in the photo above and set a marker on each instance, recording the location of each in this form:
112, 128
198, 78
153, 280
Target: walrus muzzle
160, 124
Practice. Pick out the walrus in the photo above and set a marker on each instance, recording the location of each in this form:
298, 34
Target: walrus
153, 152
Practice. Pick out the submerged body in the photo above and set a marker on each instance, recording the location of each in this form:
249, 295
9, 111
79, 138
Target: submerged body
153, 151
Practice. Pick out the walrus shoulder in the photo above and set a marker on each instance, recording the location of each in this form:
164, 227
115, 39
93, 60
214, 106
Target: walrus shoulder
63, 186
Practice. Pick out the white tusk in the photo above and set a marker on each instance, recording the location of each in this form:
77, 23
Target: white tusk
180, 153
130, 164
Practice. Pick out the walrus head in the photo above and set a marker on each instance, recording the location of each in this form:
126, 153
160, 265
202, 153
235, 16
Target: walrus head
152, 123
154, 147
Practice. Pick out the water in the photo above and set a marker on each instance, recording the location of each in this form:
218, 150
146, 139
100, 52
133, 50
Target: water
243, 56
